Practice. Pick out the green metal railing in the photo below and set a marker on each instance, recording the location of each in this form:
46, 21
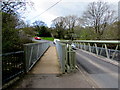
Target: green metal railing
33, 52
67, 57
12, 65
15, 64
109, 49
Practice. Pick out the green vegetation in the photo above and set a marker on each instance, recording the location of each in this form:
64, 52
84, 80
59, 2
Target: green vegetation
99, 25
43, 32
12, 38
41, 29
47, 38
98, 22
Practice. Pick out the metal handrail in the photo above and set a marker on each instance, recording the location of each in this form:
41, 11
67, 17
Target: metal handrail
104, 44
12, 65
33, 51
99, 41
16, 63
10, 53
66, 56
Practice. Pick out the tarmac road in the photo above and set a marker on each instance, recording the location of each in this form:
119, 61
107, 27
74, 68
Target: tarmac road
104, 74
51, 42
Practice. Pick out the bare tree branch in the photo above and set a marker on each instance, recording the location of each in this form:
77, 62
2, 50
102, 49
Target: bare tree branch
99, 15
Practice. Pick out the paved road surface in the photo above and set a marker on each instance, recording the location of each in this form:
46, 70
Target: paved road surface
104, 74
51, 42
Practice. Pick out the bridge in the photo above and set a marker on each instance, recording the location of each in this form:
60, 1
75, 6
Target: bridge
93, 64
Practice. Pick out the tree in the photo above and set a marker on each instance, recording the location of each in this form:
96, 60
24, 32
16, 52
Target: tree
14, 7
39, 23
10, 39
60, 25
71, 22
43, 32
41, 28
65, 25
99, 15
10, 23
112, 32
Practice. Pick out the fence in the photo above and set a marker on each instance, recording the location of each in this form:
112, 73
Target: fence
16, 63
66, 57
12, 65
109, 49
33, 52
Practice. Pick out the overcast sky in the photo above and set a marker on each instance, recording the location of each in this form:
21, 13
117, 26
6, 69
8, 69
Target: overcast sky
63, 8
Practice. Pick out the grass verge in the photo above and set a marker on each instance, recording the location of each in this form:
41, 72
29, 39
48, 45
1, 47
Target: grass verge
47, 38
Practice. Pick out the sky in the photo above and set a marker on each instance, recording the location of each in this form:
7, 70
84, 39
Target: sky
63, 8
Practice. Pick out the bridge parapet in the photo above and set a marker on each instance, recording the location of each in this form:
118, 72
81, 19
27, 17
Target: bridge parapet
66, 56
33, 52
109, 49
14, 64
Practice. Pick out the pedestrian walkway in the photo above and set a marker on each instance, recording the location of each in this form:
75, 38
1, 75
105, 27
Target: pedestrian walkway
46, 74
48, 64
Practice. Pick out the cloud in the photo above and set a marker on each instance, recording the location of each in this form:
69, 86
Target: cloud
61, 9
64, 8
68, 8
